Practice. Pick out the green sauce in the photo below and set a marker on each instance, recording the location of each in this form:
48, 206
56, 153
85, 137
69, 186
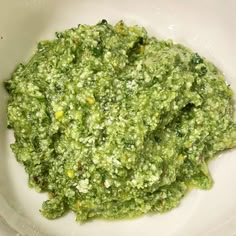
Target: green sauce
113, 123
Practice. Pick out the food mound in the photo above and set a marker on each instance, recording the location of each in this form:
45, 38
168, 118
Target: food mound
113, 123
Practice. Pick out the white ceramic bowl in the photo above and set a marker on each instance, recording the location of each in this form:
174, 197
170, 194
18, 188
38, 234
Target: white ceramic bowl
207, 27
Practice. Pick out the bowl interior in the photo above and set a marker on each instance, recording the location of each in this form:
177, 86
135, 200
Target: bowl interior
206, 27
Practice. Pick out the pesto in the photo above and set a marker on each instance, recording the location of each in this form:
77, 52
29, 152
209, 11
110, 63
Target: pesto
113, 123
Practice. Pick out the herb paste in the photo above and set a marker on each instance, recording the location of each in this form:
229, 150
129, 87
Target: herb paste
113, 123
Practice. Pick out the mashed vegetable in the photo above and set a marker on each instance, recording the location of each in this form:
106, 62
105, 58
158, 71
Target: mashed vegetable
113, 123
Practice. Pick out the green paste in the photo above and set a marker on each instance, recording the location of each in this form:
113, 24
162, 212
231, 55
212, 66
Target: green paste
113, 123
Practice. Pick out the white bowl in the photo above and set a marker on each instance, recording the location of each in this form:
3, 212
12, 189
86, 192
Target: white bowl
207, 27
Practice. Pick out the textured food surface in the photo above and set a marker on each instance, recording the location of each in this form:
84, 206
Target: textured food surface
113, 123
